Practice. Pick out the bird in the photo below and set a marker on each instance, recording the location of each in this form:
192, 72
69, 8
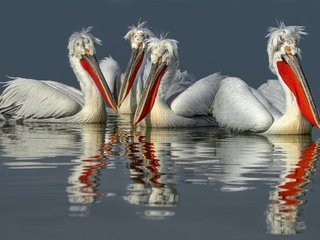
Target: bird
128, 88
172, 98
283, 106
49, 101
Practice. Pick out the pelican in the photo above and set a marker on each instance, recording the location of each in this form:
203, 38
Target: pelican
49, 101
172, 98
283, 106
128, 88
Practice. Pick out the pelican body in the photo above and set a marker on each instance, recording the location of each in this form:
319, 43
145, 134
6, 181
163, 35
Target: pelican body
136, 72
283, 106
127, 87
49, 101
172, 98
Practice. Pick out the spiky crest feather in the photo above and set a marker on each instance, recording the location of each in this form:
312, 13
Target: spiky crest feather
84, 33
171, 45
277, 35
141, 27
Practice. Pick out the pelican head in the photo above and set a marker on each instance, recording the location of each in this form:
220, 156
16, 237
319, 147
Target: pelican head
283, 40
163, 51
82, 43
81, 48
164, 56
137, 35
284, 60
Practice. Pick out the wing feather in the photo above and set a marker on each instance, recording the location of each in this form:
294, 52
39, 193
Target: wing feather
180, 83
239, 107
198, 98
112, 73
40, 99
273, 91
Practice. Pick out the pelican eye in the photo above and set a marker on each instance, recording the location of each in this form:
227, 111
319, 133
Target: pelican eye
281, 39
86, 40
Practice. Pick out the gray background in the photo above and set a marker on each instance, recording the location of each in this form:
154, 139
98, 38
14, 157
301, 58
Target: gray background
226, 36
214, 36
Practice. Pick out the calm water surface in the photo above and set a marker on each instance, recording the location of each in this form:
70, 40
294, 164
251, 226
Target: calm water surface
117, 182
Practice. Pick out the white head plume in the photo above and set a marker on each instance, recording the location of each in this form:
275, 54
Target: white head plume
82, 41
279, 38
138, 34
167, 49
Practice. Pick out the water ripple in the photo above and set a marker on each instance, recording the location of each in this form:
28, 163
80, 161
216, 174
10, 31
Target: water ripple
153, 164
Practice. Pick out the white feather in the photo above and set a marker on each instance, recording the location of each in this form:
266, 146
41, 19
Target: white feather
49, 101
137, 35
198, 98
237, 106
271, 109
112, 73
181, 100
278, 35
41, 99
272, 90
180, 82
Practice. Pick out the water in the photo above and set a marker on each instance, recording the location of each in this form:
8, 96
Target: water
113, 181
117, 182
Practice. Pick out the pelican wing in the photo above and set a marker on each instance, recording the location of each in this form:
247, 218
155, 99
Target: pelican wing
273, 91
239, 107
74, 93
112, 73
181, 81
198, 98
40, 99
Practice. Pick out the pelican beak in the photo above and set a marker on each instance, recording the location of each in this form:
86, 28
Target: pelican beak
90, 64
150, 91
134, 65
292, 74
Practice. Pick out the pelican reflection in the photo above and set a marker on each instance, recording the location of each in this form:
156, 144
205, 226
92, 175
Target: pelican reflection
153, 156
151, 184
286, 200
85, 174
161, 159
82, 147
289, 161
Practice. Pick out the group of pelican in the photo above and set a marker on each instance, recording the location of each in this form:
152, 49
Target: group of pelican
159, 95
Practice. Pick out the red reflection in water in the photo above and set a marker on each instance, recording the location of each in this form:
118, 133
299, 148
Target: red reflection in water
85, 177
88, 178
283, 213
149, 183
292, 188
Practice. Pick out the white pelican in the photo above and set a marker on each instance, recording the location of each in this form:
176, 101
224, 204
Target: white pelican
49, 101
277, 107
128, 87
171, 98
